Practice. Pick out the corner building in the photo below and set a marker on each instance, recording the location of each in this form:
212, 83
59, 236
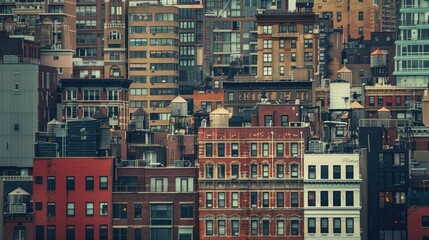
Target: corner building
251, 182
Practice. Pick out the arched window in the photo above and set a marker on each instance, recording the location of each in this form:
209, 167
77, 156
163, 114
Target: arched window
115, 71
114, 35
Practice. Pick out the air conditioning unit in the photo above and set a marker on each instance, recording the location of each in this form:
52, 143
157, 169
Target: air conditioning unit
253, 205
209, 205
254, 175
234, 177
280, 175
296, 124
182, 163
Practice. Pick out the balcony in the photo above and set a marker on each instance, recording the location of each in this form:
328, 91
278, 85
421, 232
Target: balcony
17, 208
286, 35
129, 188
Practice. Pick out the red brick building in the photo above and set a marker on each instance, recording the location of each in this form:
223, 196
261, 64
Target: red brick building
251, 181
72, 198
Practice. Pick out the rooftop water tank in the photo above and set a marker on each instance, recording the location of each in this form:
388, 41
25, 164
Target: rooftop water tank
339, 94
219, 118
179, 107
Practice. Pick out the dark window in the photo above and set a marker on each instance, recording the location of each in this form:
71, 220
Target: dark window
253, 199
337, 198
221, 199
119, 210
221, 171
209, 149
425, 221
294, 227
38, 206
349, 198
40, 232
209, 171
137, 234
265, 227
337, 225
294, 199
104, 232
324, 172
89, 183
380, 101
103, 183
234, 171
312, 198
268, 120
38, 180
311, 225
70, 233
337, 172
360, 16
349, 172
280, 199
161, 214
311, 172
89, 232
294, 170
50, 209
285, 121
280, 170
280, 150
371, 101
137, 210
398, 100
51, 184
221, 149
324, 198
254, 227
70, 183
265, 199
254, 149
120, 234
50, 233
235, 228
209, 227
253, 170
324, 225
209, 200
186, 211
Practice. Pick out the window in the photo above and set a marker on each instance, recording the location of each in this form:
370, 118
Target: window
103, 208
103, 183
280, 149
311, 172
221, 171
311, 225
234, 199
254, 227
268, 57
265, 227
89, 183
51, 184
360, 17
399, 159
50, 209
38, 180
235, 228
360, 31
209, 227
336, 198
294, 227
70, 182
137, 210
293, 43
349, 172
308, 28
398, 100
234, 171
253, 149
324, 225
265, 199
70, 209
308, 43
89, 209
425, 221
324, 198
253, 170
209, 199
221, 199
221, 149
280, 199
268, 43
253, 199
311, 198
380, 101
265, 149
337, 225
186, 210
339, 16
293, 57
209, 171
161, 214
184, 184
267, 29
294, 201
265, 170
280, 228
350, 225
285, 120
119, 210
40, 232
294, 170
159, 184
89, 232
281, 57
38, 206
294, 149
371, 100
209, 149
50, 232
268, 71
120, 233
280, 170
282, 70
234, 149
268, 120
349, 198
138, 234
324, 172
221, 227
70, 233
337, 172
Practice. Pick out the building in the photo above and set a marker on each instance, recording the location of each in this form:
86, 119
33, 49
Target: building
157, 203
153, 60
250, 180
332, 199
411, 66
74, 198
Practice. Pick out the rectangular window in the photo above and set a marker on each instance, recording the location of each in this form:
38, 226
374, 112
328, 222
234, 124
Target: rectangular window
371, 101
350, 225
311, 172
50, 209
265, 227
184, 184
349, 198
89, 183
253, 149
336, 198
209, 149
103, 208
380, 101
337, 225
221, 149
311, 225
293, 57
89, 232
280, 199
349, 172
50, 232
221, 227
70, 233
324, 225
360, 17
324, 198
294, 227
294, 168
209, 171
324, 172
234, 199
294, 200
159, 184
119, 210
253, 199
89, 209
268, 71
425, 221
337, 172
234, 149
265, 149
280, 170
186, 210
253, 170
311, 198
280, 150
209, 200
221, 199
70, 209
137, 210
161, 214
38, 180
280, 228
294, 149
265, 199
51, 184
234, 171
254, 227
221, 171
103, 183
235, 227
265, 171
70, 182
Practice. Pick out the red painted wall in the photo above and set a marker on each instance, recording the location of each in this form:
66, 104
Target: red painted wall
415, 229
79, 168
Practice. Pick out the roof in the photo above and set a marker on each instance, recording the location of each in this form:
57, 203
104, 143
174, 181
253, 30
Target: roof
139, 112
377, 52
344, 70
19, 191
356, 105
383, 109
220, 111
179, 99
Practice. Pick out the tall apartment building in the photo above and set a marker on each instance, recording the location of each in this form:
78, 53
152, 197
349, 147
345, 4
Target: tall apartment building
250, 180
153, 60
411, 63
287, 45
332, 196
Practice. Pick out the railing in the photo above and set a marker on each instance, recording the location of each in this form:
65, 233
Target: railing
250, 183
385, 122
129, 188
17, 208
17, 178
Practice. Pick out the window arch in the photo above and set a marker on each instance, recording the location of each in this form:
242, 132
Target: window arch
115, 71
114, 35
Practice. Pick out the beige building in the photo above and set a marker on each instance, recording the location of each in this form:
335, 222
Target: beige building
153, 60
